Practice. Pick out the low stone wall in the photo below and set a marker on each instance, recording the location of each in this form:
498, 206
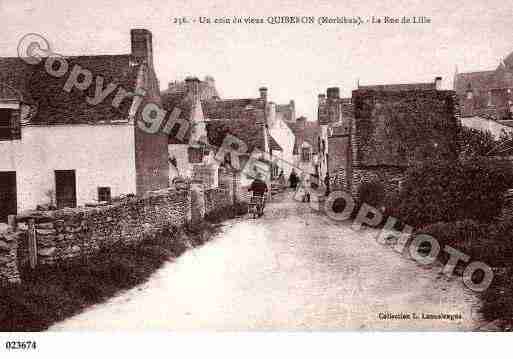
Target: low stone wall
76, 233
9, 258
390, 177
217, 198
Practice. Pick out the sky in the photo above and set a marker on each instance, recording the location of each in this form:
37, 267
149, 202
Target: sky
295, 61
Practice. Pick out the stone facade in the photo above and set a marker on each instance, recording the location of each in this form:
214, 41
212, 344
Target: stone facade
390, 177
99, 146
487, 94
391, 129
217, 198
9, 258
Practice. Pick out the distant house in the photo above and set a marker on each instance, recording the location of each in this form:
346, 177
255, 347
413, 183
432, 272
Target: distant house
212, 118
487, 94
392, 128
185, 152
306, 146
249, 113
485, 124
261, 147
334, 118
59, 144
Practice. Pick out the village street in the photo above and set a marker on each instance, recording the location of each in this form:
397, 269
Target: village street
293, 269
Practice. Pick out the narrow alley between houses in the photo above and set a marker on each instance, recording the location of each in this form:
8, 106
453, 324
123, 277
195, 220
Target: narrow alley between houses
292, 269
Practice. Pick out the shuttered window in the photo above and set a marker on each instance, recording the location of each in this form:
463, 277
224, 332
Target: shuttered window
104, 194
9, 124
305, 154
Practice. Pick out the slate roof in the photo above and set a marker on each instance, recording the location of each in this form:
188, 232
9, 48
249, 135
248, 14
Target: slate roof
400, 87
275, 146
233, 108
481, 83
178, 96
249, 132
309, 132
56, 106
286, 112
484, 124
477, 80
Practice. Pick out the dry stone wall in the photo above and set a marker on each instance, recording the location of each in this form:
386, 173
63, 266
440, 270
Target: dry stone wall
81, 232
77, 233
9, 258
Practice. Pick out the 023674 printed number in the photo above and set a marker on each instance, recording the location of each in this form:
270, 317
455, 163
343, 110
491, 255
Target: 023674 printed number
20, 345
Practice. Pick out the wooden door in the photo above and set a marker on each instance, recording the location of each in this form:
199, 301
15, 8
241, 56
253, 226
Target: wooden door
8, 203
65, 189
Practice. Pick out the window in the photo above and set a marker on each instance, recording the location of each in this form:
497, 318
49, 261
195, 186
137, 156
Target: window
305, 154
227, 159
104, 194
9, 124
195, 154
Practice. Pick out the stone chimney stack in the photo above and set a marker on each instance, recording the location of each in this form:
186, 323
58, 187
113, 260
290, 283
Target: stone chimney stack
438, 83
322, 99
301, 121
142, 47
210, 81
193, 87
263, 93
333, 93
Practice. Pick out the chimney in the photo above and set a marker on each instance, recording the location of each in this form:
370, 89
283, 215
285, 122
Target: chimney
438, 83
470, 93
322, 99
333, 92
263, 93
210, 81
142, 48
193, 88
301, 121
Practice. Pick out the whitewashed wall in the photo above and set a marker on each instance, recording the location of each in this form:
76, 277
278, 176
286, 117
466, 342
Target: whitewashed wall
285, 138
101, 155
183, 168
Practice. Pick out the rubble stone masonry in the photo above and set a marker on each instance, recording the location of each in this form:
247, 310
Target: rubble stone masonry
77, 233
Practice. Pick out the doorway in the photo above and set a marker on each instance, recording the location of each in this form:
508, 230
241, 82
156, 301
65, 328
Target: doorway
8, 203
65, 189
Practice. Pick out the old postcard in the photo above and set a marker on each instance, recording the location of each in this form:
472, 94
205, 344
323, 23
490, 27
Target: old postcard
225, 166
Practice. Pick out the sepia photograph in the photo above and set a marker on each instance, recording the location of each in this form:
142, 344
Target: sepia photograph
255, 167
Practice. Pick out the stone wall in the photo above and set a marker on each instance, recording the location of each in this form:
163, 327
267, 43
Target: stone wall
9, 258
217, 198
390, 177
81, 232
398, 128
77, 233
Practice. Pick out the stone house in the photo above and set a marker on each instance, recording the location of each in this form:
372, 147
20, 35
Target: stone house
59, 143
306, 147
261, 147
198, 102
392, 128
274, 118
186, 153
213, 119
487, 94
334, 115
486, 124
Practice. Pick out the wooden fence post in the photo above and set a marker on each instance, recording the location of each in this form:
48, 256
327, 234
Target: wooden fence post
13, 224
32, 243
